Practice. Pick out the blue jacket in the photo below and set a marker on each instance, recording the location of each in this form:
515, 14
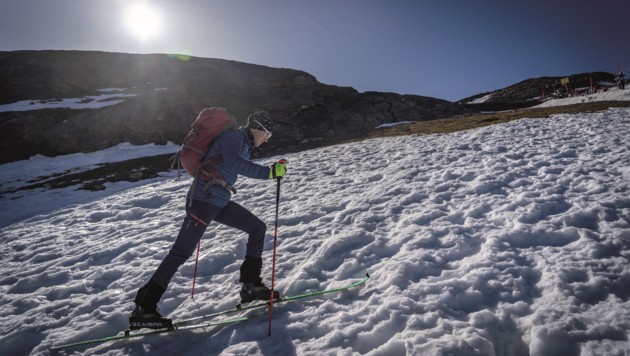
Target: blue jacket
235, 146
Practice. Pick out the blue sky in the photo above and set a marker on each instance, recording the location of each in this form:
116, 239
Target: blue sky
448, 49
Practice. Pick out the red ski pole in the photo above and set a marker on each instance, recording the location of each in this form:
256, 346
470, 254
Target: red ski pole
192, 293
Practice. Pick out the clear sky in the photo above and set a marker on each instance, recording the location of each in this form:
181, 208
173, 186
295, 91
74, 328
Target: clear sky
448, 49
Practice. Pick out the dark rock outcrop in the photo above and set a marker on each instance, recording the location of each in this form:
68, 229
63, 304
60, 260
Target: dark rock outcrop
169, 92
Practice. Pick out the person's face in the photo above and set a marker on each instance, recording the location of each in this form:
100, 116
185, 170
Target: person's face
260, 137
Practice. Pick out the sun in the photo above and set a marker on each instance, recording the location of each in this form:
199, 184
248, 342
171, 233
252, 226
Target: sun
143, 21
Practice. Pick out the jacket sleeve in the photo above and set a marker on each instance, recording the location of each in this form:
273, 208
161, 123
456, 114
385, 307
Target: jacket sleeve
233, 161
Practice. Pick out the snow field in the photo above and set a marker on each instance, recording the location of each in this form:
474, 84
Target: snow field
512, 239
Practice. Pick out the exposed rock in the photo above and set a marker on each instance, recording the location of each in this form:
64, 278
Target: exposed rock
135, 176
170, 91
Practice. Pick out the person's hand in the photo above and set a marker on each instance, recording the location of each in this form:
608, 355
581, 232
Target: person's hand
278, 169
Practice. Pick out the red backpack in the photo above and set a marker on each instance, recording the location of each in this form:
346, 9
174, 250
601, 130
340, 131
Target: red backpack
210, 123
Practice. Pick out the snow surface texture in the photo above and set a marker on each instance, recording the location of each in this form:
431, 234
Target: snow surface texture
18, 174
512, 239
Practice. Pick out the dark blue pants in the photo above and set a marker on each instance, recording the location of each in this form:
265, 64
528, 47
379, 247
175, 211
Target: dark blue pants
198, 217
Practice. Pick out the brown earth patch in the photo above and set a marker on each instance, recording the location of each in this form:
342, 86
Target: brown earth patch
471, 121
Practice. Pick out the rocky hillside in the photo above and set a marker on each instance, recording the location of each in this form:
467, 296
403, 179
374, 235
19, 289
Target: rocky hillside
159, 95
530, 92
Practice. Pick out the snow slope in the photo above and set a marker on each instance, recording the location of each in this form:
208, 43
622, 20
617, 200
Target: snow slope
611, 94
512, 239
19, 174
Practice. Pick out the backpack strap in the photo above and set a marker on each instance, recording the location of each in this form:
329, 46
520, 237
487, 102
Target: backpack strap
213, 181
221, 183
175, 162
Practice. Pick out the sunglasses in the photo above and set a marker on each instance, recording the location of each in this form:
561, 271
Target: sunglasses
267, 132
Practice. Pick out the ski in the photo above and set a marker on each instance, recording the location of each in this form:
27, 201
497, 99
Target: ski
204, 320
255, 305
326, 291
129, 335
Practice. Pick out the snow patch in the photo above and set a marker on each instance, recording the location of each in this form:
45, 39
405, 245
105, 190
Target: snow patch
510, 239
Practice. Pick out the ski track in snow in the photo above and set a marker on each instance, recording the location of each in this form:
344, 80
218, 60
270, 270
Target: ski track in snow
512, 239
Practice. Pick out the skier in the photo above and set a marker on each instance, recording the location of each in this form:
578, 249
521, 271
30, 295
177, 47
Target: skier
208, 202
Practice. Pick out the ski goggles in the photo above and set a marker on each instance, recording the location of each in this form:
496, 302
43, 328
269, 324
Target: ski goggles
267, 132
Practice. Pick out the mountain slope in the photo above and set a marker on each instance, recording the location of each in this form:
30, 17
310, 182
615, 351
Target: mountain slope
509, 239
61, 102
533, 91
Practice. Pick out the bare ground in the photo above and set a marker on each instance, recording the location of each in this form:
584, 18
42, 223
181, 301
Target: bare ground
476, 120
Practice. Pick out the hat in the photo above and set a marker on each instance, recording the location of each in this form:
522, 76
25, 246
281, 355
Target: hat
260, 121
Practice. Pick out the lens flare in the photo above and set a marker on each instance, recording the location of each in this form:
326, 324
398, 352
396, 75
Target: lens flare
143, 21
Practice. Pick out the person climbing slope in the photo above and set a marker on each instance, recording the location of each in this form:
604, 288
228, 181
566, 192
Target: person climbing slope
209, 200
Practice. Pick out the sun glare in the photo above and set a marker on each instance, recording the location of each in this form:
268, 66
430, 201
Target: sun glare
143, 21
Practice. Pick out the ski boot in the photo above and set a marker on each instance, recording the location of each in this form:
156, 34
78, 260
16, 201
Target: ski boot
146, 314
149, 318
257, 291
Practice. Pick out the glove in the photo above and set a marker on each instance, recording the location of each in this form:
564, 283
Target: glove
278, 169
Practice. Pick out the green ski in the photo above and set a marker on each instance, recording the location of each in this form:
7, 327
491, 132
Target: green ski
128, 335
204, 322
255, 305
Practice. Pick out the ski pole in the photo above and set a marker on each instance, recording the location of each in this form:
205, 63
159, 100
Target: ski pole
198, 221
275, 239
192, 293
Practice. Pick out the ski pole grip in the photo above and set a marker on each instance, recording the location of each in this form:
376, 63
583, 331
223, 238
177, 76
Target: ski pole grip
281, 161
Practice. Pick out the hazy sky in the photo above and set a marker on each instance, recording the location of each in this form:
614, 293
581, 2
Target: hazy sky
448, 49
